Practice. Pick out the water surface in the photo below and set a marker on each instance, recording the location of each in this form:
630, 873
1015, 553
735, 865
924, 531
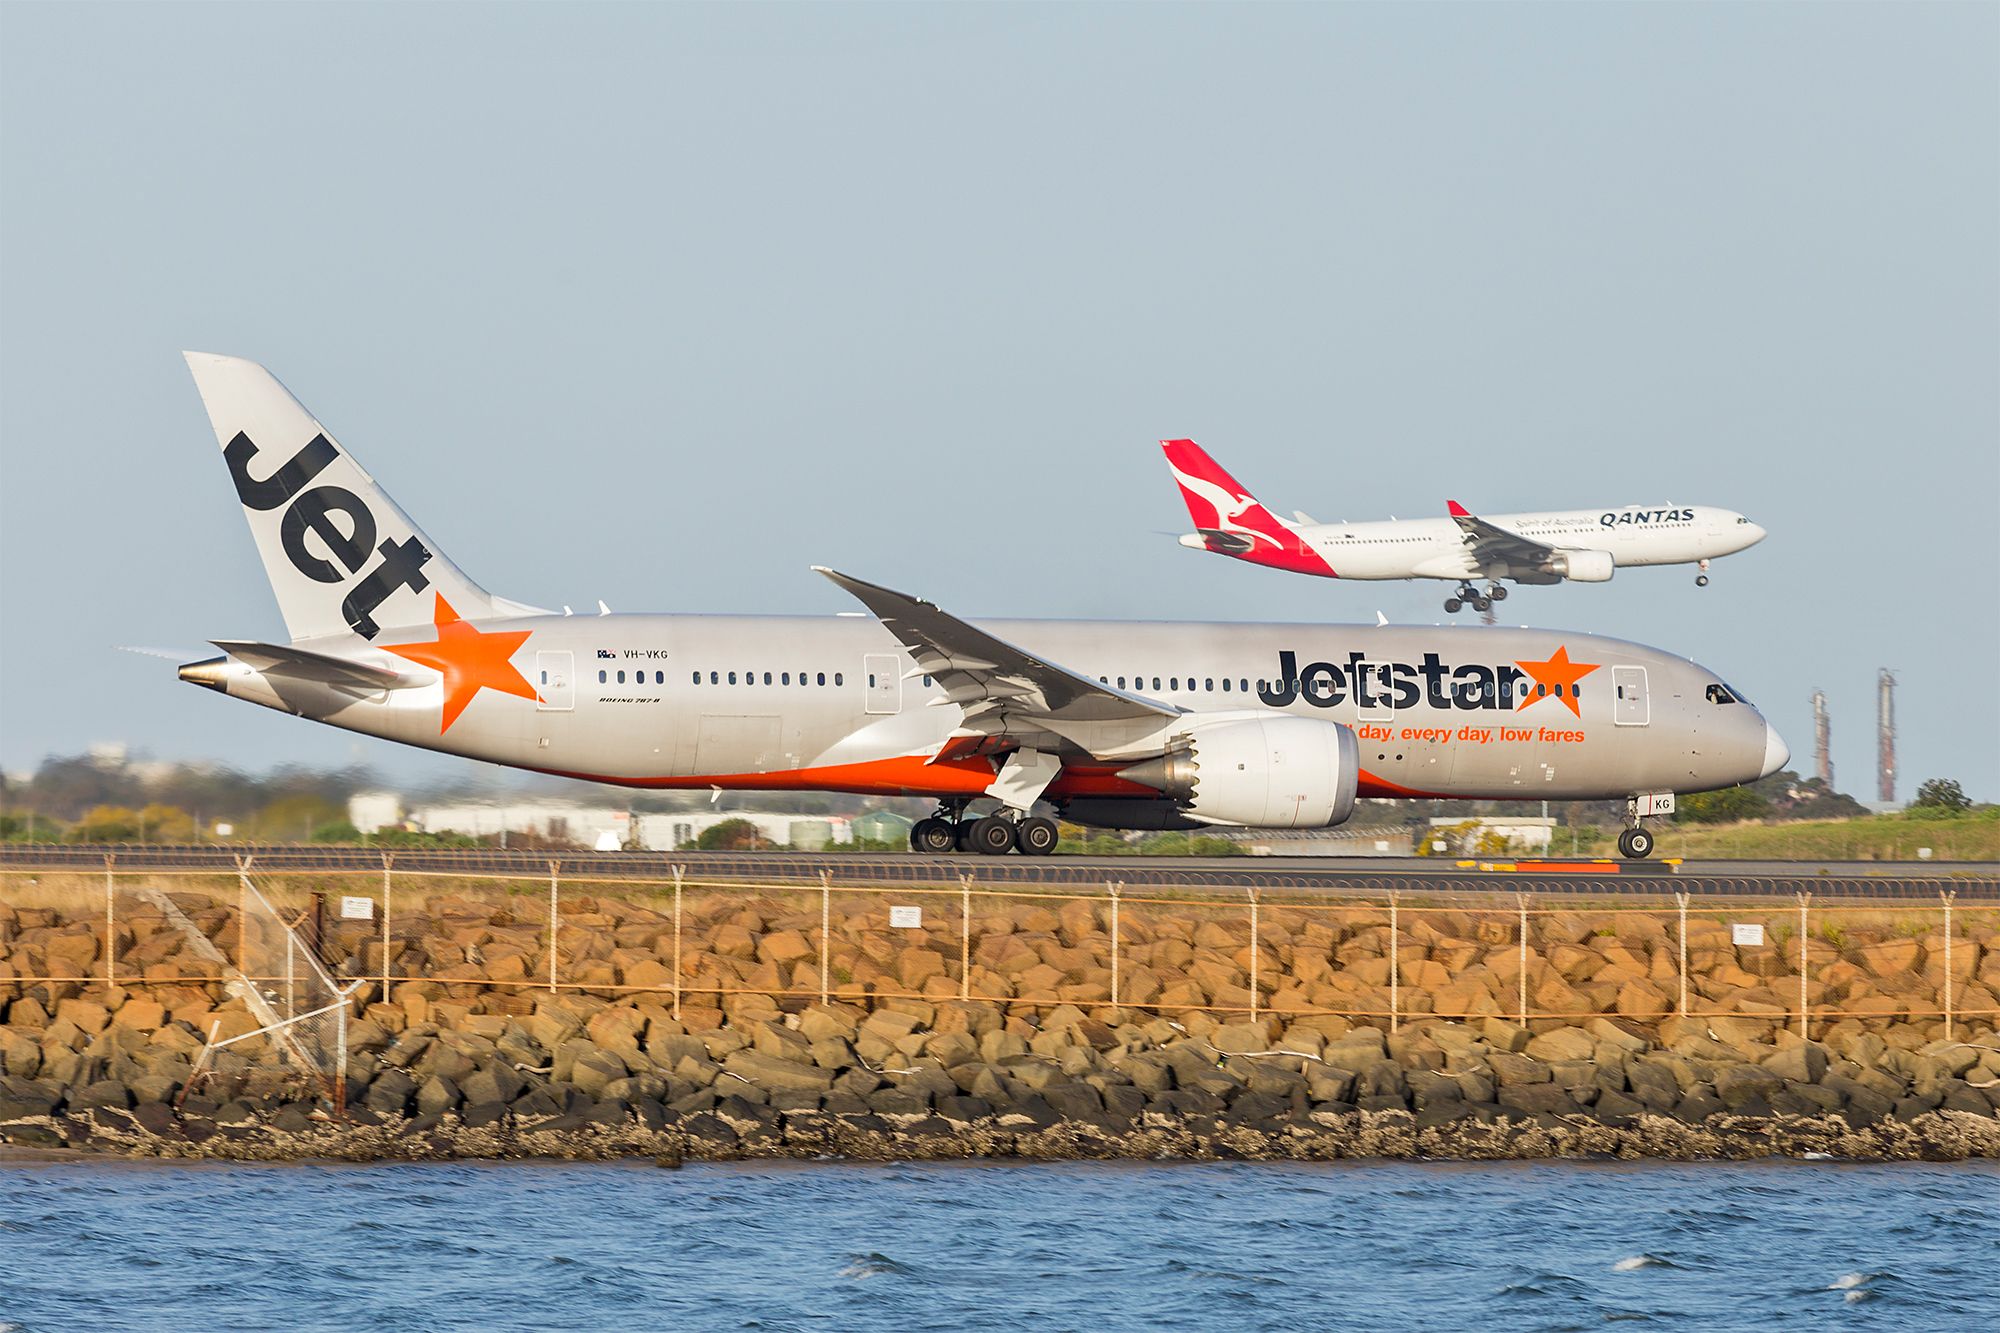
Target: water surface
1062, 1246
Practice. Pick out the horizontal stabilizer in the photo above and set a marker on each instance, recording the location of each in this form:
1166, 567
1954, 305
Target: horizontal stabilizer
302, 664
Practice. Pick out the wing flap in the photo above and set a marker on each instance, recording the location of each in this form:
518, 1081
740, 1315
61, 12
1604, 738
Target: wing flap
1004, 690
1490, 542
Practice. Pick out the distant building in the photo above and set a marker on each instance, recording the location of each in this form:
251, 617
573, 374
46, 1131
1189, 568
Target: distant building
598, 827
373, 811
671, 832
1326, 842
1524, 833
883, 826
586, 826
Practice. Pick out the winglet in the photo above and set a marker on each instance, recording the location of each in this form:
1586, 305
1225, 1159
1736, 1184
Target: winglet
1457, 510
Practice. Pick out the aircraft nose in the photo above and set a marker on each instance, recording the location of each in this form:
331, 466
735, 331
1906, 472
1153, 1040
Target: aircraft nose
1776, 753
1757, 533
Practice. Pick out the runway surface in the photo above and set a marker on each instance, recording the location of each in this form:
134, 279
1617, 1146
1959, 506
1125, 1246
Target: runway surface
1914, 881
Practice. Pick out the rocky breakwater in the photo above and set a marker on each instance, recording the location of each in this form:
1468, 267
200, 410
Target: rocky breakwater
470, 1064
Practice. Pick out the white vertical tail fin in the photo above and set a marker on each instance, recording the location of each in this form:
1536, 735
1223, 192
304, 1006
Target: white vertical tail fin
341, 556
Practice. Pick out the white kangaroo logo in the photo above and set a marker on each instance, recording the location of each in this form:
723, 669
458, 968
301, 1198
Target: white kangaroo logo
1228, 506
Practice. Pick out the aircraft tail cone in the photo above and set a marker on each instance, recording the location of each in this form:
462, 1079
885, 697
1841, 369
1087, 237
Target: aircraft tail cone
211, 672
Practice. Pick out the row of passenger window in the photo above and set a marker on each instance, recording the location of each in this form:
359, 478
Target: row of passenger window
1207, 683
814, 678
725, 677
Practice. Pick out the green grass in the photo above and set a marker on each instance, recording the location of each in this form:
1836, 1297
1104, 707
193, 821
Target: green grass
1894, 837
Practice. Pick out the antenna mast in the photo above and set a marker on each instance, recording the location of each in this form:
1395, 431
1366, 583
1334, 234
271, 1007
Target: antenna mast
1885, 737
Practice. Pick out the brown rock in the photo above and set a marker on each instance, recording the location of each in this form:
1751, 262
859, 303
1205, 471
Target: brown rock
785, 946
88, 1016
1642, 999
1562, 1044
1890, 956
917, 966
649, 973
733, 941
140, 1014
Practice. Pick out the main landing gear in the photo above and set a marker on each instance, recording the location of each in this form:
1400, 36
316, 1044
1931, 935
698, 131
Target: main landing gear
991, 835
1701, 579
1479, 601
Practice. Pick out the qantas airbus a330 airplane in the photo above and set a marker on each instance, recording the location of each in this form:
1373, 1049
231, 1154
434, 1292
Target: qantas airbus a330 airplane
1582, 544
1114, 724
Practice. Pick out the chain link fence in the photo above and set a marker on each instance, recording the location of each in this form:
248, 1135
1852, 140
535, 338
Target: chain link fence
290, 957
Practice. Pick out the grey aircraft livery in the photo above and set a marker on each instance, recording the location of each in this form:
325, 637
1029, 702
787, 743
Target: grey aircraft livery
1135, 725
1582, 546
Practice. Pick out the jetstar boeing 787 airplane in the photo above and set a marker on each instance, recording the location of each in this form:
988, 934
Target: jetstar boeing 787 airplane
1580, 544
1115, 724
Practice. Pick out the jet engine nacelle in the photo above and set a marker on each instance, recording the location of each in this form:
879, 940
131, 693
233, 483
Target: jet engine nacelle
1584, 566
1274, 772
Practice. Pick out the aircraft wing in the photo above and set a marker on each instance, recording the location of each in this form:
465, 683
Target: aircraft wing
1006, 692
301, 664
1489, 543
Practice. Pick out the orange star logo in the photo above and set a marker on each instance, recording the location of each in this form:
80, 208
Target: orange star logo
469, 661
1558, 676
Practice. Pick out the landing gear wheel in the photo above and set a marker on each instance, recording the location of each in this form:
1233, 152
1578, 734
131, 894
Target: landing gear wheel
934, 836
1635, 844
961, 835
991, 836
1497, 593
1482, 603
1036, 836
1701, 580
1452, 604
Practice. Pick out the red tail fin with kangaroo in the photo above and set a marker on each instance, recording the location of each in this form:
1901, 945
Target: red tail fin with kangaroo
1230, 521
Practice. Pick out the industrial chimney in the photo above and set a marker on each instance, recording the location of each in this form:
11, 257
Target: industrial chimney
1822, 754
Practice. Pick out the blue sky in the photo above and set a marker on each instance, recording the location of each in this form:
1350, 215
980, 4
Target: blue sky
663, 304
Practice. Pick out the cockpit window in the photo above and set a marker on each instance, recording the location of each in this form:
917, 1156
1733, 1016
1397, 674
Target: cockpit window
1718, 693
1741, 519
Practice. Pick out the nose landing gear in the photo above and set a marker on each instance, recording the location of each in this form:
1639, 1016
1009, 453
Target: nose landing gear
1701, 579
1635, 844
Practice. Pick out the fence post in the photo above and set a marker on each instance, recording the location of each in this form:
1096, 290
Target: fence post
1805, 1026
110, 926
1253, 954
242, 909
1395, 980
1948, 895
1522, 980
1681, 970
965, 937
554, 868
825, 931
340, 1061
677, 944
1113, 888
388, 887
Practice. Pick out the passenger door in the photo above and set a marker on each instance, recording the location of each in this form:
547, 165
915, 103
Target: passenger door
1629, 704
555, 682
882, 683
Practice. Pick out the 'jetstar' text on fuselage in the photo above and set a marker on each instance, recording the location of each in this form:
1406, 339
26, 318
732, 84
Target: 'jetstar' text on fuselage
1374, 684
